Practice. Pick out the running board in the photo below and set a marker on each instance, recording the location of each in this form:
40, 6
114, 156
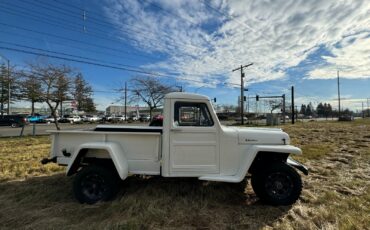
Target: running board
230, 179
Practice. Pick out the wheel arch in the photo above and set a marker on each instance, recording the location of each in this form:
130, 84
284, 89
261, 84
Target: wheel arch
264, 158
113, 150
267, 154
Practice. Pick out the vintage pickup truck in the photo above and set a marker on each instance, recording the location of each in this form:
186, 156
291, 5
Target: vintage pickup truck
191, 143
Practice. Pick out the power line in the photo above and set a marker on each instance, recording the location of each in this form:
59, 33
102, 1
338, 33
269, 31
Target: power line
171, 73
66, 54
50, 17
140, 30
75, 60
95, 35
70, 39
70, 46
97, 64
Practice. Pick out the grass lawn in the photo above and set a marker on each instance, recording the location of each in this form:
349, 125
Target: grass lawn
336, 193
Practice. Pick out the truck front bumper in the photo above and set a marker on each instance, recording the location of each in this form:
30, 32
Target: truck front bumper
297, 165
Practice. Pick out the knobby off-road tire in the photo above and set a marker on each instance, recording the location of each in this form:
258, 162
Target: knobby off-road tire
277, 184
95, 183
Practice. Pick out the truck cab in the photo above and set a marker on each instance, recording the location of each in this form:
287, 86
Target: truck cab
191, 143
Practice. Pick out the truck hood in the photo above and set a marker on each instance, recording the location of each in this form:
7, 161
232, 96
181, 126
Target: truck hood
262, 136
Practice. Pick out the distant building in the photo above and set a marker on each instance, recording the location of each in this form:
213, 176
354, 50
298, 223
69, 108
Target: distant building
120, 110
131, 110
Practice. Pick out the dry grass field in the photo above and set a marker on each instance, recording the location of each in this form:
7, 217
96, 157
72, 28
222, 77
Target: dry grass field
336, 193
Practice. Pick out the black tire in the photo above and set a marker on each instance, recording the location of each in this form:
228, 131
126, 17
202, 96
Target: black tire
277, 184
95, 183
14, 125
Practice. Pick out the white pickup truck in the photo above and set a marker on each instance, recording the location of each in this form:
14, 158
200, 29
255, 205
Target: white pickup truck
191, 143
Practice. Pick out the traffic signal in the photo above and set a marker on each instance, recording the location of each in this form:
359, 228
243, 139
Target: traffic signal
245, 98
257, 97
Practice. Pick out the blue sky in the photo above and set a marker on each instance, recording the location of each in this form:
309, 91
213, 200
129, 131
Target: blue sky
197, 43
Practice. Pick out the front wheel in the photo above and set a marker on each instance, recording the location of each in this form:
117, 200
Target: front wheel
95, 183
277, 184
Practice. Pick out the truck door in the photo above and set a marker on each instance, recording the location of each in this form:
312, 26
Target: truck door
194, 141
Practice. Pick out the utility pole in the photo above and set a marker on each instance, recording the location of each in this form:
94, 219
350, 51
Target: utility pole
363, 112
367, 107
293, 105
242, 90
125, 101
248, 104
283, 108
338, 95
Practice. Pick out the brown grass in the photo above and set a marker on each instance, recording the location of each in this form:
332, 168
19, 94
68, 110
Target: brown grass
336, 194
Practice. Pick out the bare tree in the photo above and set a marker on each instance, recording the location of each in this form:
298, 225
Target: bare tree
30, 90
55, 85
273, 104
150, 90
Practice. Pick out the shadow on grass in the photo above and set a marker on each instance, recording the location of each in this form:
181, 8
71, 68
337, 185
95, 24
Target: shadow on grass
145, 203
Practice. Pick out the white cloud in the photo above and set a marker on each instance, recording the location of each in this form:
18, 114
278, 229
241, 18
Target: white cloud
204, 43
351, 58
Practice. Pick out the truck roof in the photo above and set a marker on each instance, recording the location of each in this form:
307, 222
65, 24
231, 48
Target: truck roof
182, 95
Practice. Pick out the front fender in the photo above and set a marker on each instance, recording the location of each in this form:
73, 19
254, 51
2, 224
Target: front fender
251, 158
290, 149
114, 150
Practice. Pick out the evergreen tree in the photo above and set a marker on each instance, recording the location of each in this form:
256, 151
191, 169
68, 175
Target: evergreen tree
303, 109
309, 110
320, 109
83, 94
6, 79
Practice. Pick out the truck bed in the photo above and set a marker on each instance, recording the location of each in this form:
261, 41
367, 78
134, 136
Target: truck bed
141, 145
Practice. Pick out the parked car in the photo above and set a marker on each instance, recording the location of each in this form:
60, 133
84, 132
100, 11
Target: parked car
239, 119
37, 118
346, 118
144, 118
91, 118
64, 119
134, 118
13, 120
70, 119
191, 143
74, 119
157, 121
118, 118
50, 119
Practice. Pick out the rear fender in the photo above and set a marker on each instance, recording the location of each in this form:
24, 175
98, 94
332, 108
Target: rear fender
114, 150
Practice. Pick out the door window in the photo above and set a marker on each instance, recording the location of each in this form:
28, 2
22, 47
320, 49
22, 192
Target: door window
192, 114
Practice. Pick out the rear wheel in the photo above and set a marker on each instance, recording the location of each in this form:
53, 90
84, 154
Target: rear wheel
14, 125
277, 184
95, 183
